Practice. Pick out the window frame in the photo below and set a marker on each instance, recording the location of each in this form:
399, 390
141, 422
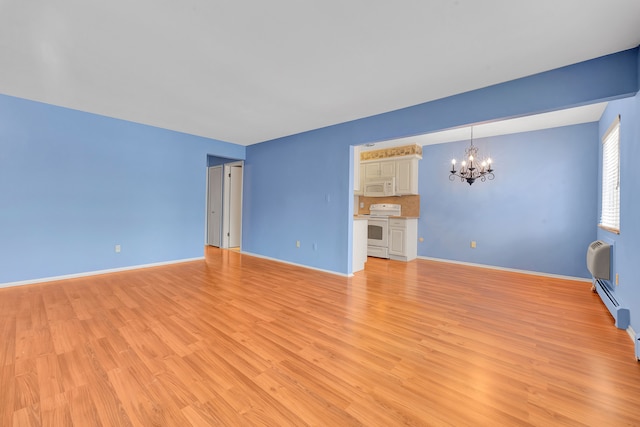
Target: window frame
610, 192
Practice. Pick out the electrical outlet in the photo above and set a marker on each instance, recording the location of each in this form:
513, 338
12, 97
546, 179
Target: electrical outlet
473, 244
297, 243
117, 249
617, 280
315, 246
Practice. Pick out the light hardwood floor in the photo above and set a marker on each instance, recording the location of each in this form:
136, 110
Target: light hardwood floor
239, 340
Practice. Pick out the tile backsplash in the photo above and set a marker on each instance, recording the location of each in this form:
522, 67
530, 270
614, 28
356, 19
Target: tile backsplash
410, 204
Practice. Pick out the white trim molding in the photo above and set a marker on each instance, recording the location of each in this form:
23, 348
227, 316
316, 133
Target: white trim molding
96, 272
297, 265
513, 270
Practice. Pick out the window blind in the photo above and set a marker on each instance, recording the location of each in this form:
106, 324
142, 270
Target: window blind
610, 216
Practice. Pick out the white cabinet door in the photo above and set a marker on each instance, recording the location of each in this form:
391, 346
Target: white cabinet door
397, 241
378, 170
403, 241
371, 171
360, 190
388, 169
407, 176
359, 257
357, 186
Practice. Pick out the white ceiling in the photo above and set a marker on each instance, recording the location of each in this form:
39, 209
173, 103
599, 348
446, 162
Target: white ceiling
250, 71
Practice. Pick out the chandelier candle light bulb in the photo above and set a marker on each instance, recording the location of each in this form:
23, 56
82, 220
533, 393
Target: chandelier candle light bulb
470, 174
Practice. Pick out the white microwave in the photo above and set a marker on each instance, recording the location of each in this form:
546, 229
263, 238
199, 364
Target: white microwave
381, 188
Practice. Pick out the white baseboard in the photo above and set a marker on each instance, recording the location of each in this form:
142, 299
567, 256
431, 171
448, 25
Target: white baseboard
157, 264
513, 270
297, 265
96, 272
535, 273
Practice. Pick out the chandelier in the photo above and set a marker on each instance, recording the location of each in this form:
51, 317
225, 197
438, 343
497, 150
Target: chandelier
471, 169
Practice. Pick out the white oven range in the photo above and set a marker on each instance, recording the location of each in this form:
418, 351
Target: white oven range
378, 228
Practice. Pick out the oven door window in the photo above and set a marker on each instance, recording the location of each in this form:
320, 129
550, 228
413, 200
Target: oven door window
375, 232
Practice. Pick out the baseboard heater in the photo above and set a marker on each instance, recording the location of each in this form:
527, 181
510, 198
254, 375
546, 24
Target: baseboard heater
620, 314
599, 265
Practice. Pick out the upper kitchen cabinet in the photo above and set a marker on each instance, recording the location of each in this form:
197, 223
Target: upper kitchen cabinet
399, 162
357, 184
406, 176
379, 170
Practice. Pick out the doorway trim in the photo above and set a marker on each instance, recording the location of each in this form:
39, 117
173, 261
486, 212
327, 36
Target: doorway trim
209, 196
232, 211
227, 210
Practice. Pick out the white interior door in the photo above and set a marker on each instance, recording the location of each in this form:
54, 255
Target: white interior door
235, 205
214, 211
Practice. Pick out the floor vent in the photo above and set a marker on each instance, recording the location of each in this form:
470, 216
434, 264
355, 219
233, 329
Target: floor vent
620, 314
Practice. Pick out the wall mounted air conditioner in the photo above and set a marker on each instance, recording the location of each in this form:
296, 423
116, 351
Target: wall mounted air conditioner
599, 265
599, 259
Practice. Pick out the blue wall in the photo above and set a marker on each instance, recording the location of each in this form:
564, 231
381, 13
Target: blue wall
538, 214
297, 188
626, 247
73, 185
